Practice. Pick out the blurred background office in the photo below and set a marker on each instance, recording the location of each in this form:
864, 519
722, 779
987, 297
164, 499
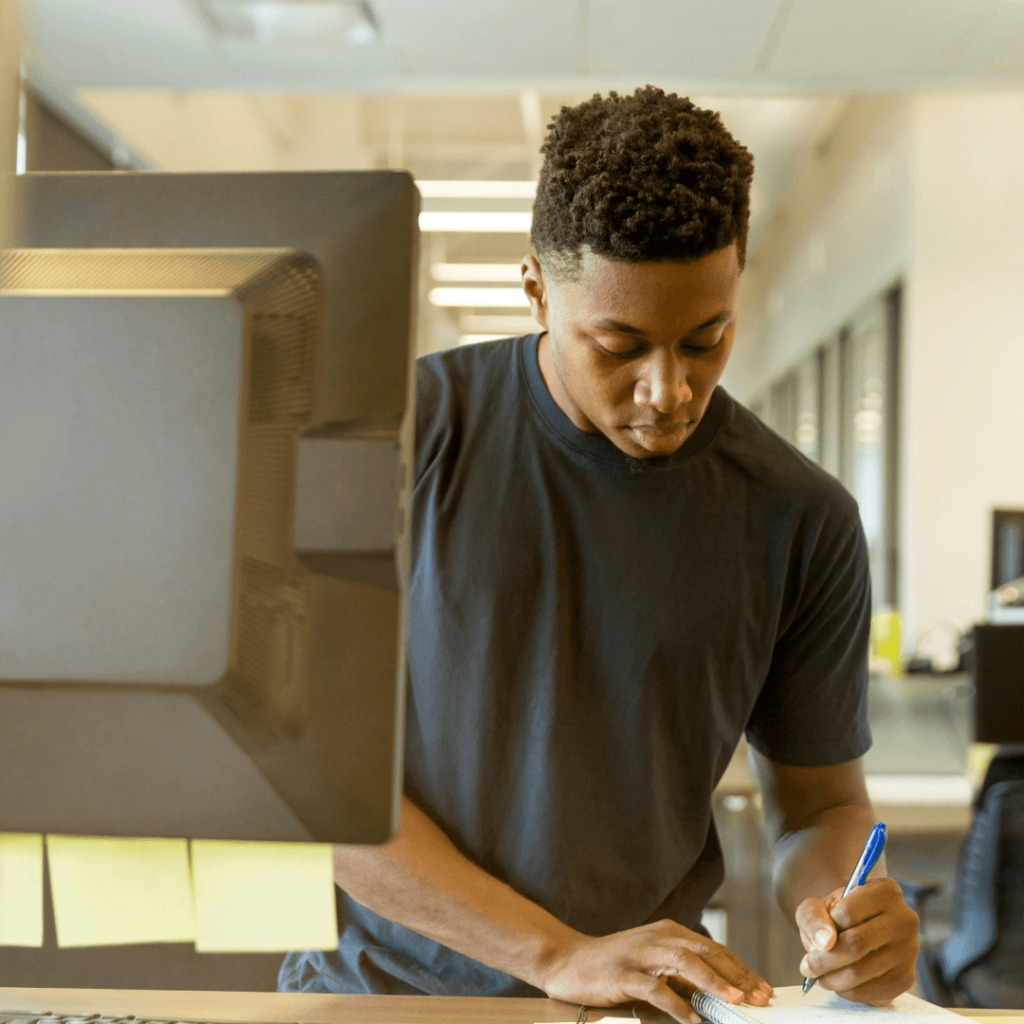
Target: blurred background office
882, 318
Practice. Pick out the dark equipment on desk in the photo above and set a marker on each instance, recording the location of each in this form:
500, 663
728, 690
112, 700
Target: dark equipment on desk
206, 429
999, 683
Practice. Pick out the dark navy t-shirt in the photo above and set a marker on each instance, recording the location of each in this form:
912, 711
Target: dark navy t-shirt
589, 638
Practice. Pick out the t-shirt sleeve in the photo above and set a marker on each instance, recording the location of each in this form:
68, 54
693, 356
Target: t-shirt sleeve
812, 709
433, 413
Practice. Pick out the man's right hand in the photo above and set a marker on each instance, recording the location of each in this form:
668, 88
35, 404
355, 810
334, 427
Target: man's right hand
658, 963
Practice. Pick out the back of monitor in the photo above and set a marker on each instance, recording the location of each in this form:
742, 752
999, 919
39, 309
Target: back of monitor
288, 726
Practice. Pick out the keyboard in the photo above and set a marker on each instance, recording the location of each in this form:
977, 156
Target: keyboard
30, 1017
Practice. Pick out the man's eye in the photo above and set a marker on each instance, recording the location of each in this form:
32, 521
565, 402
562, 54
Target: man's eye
700, 348
619, 353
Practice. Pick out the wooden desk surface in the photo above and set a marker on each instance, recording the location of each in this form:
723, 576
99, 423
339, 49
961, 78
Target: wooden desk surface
326, 1009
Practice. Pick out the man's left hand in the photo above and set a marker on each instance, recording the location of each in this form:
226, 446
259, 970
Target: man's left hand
862, 946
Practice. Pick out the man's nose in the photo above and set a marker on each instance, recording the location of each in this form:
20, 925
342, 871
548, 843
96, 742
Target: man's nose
663, 385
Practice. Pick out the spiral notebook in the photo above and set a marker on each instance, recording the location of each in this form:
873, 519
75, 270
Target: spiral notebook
789, 1006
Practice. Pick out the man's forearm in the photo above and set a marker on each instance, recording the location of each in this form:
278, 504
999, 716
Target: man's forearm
420, 880
818, 858
816, 820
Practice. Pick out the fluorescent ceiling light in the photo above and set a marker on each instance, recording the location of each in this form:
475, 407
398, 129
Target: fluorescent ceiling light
498, 222
478, 297
477, 189
477, 272
270, 21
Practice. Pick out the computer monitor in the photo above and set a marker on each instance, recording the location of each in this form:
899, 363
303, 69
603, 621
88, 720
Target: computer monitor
205, 436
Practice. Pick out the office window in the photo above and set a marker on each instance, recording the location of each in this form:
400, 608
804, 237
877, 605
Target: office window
782, 402
868, 361
829, 405
839, 406
808, 406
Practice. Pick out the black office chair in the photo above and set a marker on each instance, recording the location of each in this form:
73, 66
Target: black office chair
981, 964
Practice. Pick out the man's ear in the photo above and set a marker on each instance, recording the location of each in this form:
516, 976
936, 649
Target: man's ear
535, 289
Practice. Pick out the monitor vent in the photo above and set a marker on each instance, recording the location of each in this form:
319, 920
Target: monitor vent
266, 488
283, 329
270, 663
136, 271
269, 637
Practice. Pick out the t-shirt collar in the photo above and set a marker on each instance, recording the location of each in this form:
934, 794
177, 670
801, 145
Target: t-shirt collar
597, 445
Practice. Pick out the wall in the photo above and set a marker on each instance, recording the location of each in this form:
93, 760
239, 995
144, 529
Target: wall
51, 144
842, 234
9, 86
925, 189
964, 346
223, 131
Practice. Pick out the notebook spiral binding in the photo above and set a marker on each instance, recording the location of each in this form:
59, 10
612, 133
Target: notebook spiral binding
714, 1009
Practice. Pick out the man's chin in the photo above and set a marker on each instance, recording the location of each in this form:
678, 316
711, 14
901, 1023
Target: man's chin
649, 443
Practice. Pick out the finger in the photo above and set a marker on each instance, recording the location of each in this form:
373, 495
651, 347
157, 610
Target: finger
874, 897
708, 965
881, 991
851, 945
724, 961
817, 929
867, 969
661, 995
755, 989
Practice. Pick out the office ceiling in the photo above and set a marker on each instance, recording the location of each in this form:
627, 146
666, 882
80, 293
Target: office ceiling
429, 46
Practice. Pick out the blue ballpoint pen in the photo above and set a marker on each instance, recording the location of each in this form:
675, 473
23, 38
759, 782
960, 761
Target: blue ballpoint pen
868, 859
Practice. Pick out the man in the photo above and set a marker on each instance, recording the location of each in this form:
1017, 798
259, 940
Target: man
618, 571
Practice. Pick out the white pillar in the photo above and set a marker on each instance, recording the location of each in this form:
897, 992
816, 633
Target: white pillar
10, 74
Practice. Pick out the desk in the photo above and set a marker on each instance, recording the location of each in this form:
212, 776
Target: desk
322, 1009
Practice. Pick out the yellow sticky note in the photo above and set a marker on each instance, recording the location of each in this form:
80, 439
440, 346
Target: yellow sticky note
21, 889
111, 892
263, 897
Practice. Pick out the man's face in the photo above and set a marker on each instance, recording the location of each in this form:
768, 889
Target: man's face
634, 350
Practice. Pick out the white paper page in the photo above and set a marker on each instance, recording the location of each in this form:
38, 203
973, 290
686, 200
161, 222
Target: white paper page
820, 1006
790, 1006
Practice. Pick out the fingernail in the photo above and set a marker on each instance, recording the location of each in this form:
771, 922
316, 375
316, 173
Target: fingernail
805, 968
821, 938
695, 1018
734, 995
759, 996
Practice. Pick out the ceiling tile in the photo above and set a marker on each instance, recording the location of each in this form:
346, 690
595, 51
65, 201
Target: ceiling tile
679, 36
453, 38
996, 48
119, 42
166, 44
871, 42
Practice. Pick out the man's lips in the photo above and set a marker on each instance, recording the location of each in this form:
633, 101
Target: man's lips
658, 430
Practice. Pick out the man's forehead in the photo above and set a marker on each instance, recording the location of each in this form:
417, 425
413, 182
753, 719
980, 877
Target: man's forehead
616, 294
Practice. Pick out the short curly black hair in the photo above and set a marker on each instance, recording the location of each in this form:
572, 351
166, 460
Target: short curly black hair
635, 178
